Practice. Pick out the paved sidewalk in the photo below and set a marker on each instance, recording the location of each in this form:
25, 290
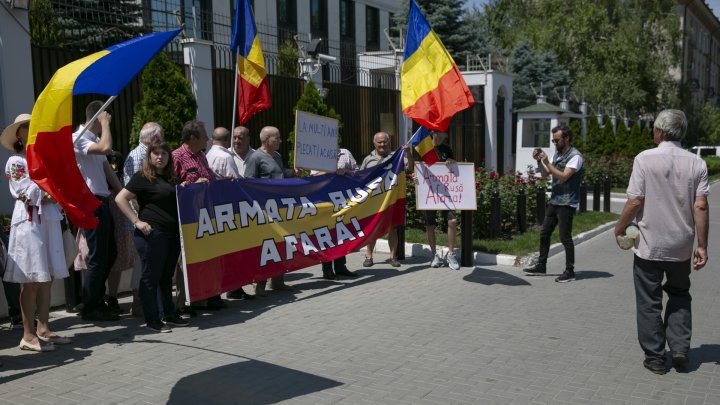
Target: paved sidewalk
411, 335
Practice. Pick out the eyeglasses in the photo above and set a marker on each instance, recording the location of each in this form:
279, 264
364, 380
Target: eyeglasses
556, 140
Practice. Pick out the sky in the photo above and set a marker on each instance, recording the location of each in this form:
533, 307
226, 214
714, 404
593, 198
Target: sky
714, 5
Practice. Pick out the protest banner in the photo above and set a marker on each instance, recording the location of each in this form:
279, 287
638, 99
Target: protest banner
316, 142
444, 186
236, 232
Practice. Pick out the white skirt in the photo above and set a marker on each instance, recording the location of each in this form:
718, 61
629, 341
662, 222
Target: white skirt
35, 252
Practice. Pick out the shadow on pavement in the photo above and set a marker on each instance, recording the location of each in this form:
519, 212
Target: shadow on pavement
583, 275
492, 277
700, 355
249, 382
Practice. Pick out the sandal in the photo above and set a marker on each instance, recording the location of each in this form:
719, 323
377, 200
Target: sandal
368, 262
38, 347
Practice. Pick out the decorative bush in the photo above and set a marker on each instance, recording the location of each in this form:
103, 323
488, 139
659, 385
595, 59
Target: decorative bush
713, 164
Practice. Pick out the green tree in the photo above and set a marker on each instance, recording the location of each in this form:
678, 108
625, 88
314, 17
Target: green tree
635, 140
91, 25
593, 140
167, 100
646, 139
288, 59
44, 24
577, 139
531, 69
311, 102
618, 52
622, 141
608, 140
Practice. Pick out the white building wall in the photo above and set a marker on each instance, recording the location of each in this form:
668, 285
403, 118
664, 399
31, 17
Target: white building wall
360, 35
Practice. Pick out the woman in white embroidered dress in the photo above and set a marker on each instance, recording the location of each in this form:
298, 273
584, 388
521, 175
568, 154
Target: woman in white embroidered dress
35, 251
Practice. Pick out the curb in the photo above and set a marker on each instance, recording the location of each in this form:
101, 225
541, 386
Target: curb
423, 250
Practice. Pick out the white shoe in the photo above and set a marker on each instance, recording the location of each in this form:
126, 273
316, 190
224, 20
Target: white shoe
436, 261
452, 261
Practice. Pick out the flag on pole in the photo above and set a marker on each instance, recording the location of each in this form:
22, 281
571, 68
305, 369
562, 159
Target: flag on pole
252, 85
433, 89
50, 154
423, 143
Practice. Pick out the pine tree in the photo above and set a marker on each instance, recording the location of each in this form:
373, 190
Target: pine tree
608, 140
577, 140
593, 140
44, 24
635, 140
622, 142
311, 102
532, 68
167, 100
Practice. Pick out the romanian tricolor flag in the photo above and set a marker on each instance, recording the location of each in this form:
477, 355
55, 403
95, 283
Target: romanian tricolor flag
236, 232
252, 85
433, 89
423, 143
50, 154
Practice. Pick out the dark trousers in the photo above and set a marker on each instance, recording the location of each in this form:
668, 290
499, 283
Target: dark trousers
159, 254
676, 328
102, 252
339, 262
12, 296
558, 215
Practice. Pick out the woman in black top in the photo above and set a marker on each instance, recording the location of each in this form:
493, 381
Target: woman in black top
157, 236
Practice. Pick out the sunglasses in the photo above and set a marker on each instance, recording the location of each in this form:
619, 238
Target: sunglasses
555, 140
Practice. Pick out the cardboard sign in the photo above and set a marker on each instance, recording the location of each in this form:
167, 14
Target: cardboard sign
316, 142
445, 186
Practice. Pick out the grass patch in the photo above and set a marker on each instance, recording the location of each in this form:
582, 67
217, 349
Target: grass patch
519, 244
714, 177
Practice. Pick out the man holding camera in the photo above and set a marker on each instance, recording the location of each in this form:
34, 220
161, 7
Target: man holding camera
566, 170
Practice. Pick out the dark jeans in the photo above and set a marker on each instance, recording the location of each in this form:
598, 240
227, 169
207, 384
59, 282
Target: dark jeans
558, 215
676, 328
102, 251
12, 296
159, 254
339, 262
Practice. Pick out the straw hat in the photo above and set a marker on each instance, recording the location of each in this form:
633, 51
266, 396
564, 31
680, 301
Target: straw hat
9, 135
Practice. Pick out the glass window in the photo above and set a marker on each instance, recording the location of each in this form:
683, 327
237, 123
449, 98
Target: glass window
347, 19
372, 29
536, 133
318, 18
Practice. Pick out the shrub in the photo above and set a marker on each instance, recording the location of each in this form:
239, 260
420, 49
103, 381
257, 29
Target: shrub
167, 100
713, 164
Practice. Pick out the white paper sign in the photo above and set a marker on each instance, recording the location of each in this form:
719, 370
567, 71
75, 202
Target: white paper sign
445, 186
316, 142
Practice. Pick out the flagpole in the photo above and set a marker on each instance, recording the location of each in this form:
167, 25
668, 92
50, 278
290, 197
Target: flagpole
235, 99
95, 117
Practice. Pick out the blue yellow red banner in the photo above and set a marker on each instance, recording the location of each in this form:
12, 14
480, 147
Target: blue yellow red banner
236, 232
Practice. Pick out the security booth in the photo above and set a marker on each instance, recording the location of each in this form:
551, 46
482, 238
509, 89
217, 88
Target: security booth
533, 131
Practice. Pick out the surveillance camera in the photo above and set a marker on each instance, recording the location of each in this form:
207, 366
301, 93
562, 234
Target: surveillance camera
326, 58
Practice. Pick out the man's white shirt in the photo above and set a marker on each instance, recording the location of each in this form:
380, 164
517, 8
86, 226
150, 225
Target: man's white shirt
222, 163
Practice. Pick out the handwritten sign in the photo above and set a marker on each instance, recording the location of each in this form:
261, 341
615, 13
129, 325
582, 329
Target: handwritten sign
316, 142
445, 186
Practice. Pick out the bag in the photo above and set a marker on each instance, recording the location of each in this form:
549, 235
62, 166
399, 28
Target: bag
70, 246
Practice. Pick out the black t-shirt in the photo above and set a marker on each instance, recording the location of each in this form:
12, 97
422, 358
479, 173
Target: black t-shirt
158, 205
445, 152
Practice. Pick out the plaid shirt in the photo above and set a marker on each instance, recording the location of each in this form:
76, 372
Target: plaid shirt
190, 167
134, 162
346, 160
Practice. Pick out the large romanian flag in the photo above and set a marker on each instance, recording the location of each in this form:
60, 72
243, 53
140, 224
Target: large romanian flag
50, 154
433, 89
252, 85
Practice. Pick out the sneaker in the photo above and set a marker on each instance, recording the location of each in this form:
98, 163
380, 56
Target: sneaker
680, 359
657, 366
368, 262
566, 277
436, 261
393, 262
158, 326
452, 261
536, 270
175, 320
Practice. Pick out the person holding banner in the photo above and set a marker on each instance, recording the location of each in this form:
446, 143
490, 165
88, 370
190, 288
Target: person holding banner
157, 236
266, 163
90, 152
220, 158
191, 166
241, 148
445, 154
345, 163
378, 156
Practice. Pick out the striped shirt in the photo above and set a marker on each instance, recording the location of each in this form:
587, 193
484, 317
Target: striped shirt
134, 162
189, 167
